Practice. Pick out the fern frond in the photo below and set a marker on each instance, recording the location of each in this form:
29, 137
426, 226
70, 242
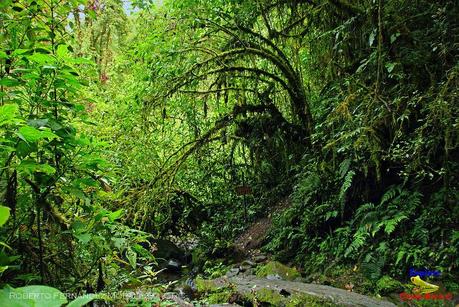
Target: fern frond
389, 225
344, 187
363, 208
346, 184
344, 167
390, 194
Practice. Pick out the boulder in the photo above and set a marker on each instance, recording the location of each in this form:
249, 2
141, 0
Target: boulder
168, 255
291, 293
274, 268
166, 249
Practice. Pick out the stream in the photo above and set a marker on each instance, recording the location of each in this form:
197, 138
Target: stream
245, 284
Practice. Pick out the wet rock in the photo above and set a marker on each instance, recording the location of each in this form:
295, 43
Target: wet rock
168, 255
260, 258
173, 265
273, 277
176, 299
300, 279
269, 291
244, 267
232, 272
164, 250
189, 289
249, 263
284, 292
277, 268
191, 284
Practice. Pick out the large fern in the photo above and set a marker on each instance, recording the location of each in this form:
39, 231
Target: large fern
396, 205
347, 182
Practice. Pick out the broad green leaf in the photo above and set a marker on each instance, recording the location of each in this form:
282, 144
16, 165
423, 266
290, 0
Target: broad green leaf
8, 82
86, 182
21, 51
54, 125
4, 215
28, 277
31, 134
23, 149
139, 249
30, 167
103, 213
9, 114
62, 51
92, 14
41, 58
81, 61
78, 226
9, 297
84, 237
82, 140
455, 236
3, 269
115, 215
41, 296
132, 257
82, 300
77, 192
5, 3
119, 242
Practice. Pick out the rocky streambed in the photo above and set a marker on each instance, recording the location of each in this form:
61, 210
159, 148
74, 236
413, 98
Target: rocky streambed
255, 281
259, 282
278, 292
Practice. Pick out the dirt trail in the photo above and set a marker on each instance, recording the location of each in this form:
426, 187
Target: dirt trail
252, 239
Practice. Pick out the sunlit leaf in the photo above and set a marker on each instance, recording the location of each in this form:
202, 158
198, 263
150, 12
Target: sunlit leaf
9, 114
9, 82
4, 215
31, 134
5, 3
41, 58
82, 300
62, 51
115, 215
41, 296
30, 167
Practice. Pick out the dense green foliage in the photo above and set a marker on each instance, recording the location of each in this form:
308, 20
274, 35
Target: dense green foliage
117, 125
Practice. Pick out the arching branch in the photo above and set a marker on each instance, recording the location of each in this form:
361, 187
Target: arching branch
237, 89
209, 136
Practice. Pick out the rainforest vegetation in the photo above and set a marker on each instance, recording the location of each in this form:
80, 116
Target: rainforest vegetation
141, 137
